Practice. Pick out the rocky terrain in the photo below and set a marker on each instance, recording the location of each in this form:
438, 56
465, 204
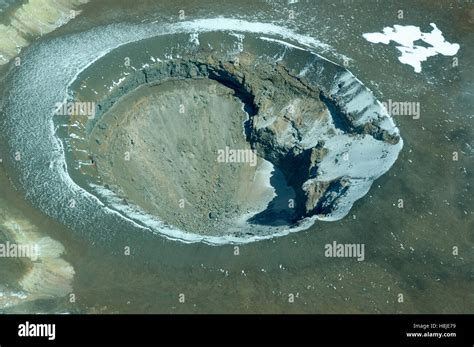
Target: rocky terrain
156, 138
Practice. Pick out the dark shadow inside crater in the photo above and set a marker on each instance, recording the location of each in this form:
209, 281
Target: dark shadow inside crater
281, 210
339, 119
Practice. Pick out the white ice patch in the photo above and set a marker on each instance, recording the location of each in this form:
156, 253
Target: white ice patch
406, 36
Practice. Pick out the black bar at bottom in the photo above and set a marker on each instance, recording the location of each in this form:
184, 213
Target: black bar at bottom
452, 330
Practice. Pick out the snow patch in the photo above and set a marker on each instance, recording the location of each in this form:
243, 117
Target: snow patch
406, 36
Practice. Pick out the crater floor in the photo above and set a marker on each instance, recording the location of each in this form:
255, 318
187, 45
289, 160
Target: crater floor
159, 147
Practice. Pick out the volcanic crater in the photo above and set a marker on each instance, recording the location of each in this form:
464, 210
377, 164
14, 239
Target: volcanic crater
155, 143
